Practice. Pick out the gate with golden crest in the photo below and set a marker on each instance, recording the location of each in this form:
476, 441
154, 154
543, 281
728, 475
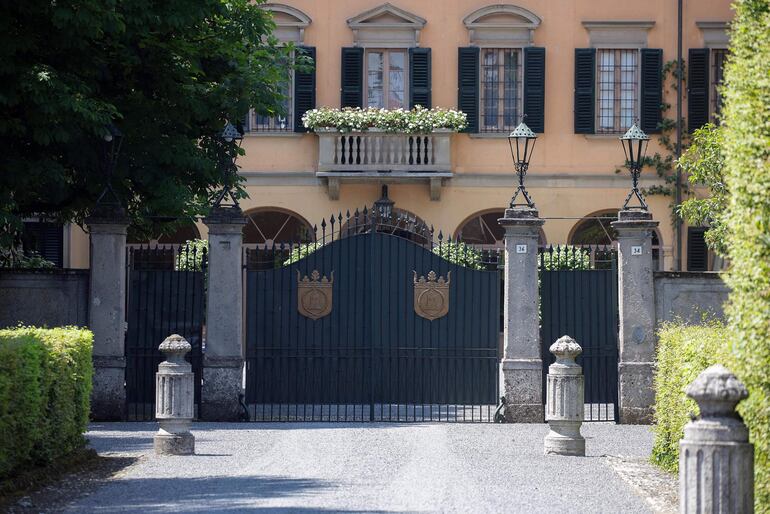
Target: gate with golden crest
372, 318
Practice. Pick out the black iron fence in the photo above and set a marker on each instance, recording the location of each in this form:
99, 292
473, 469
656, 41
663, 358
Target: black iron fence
166, 295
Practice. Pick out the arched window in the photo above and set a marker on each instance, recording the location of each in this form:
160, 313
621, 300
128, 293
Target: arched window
273, 225
482, 229
597, 229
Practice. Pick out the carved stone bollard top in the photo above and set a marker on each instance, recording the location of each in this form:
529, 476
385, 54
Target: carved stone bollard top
566, 350
175, 347
717, 391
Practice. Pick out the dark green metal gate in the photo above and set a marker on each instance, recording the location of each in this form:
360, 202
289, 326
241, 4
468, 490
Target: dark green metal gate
372, 357
578, 292
165, 296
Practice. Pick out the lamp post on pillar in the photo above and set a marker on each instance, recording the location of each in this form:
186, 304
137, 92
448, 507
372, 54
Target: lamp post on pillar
107, 225
223, 360
521, 370
636, 338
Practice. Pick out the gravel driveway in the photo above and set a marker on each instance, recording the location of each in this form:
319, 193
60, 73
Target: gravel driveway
367, 468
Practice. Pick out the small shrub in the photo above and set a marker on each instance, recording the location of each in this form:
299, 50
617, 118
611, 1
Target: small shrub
302, 251
565, 257
45, 389
459, 253
683, 352
191, 255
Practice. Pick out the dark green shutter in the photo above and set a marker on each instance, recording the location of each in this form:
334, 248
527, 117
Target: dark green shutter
697, 88
419, 77
650, 114
468, 85
585, 90
534, 88
45, 238
352, 79
304, 89
697, 250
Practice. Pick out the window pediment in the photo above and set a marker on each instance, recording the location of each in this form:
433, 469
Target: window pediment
618, 34
290, 22
714, 33
501, 25
386, 26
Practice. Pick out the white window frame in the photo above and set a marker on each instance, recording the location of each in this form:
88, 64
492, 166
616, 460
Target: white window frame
519, 108
620, 123
386, 56
258, 124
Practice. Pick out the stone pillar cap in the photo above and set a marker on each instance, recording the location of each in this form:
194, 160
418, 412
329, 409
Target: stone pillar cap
521, 216
565, 349
717, 391
175, 345
225, 215
634, 218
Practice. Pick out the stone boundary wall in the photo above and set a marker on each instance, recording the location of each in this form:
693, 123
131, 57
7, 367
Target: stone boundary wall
689, 295
50, 298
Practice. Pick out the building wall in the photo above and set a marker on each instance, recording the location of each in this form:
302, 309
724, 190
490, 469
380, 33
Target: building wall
51, 298
689, 296
570, 176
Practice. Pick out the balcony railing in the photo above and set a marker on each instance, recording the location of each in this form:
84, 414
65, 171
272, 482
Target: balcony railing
384, 152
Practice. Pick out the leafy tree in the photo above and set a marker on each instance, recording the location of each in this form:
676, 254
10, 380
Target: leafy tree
703, 163
565, 257
746, 118
167, 74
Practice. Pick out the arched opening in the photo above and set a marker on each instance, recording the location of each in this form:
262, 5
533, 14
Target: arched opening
482, 230
401, 223
272, 225
596, 230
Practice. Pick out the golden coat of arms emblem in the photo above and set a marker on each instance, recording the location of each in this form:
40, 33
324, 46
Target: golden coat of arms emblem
431, 296
314, 294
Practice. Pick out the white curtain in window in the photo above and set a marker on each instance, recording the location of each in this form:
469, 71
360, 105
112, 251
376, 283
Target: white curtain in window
374, 79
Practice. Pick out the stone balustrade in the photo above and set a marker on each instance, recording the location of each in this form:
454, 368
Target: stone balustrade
380, 151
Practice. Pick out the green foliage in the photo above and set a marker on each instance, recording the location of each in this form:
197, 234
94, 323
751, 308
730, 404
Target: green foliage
302, 251
45, 388
168, 74
11, 258
565, 257
683, 352
703, 163
460, 253
746, 118
191, 255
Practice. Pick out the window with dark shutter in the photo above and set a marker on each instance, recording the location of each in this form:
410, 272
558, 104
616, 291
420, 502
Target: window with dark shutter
351, 80
697, 88
419, 77
468, 85
650, 114
534, 88
697, 250
304, 89
45, 239
585, 90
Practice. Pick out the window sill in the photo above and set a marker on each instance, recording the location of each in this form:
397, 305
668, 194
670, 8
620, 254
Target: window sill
275, 134
603, 136
489, 135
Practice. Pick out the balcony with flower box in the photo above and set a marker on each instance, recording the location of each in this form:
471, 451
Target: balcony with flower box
364, 145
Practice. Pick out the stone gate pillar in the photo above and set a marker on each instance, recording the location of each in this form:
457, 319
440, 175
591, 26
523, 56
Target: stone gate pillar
636, 338
107, 227
521, 369
223, 359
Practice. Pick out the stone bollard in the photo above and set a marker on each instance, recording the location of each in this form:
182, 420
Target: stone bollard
564, 408
174, 399
716, 461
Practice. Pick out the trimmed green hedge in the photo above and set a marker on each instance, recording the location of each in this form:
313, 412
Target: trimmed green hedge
684, 351
45, 388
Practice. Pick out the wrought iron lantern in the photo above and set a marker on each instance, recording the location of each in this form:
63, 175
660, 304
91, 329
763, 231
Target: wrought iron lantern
112, 140
384, 206
634, 143
232, 139
522, 143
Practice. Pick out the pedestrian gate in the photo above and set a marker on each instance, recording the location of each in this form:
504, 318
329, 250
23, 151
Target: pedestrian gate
376, 320
165, 296
578, 291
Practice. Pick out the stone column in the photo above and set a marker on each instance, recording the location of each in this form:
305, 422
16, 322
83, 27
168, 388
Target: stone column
565, 401
107, 311
223, 359
636, 339
716, 460
174, 399
521, 369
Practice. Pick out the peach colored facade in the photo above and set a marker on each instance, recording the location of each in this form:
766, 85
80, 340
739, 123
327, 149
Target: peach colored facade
570, 175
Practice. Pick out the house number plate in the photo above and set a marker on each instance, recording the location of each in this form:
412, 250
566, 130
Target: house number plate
636, 250
521, 248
